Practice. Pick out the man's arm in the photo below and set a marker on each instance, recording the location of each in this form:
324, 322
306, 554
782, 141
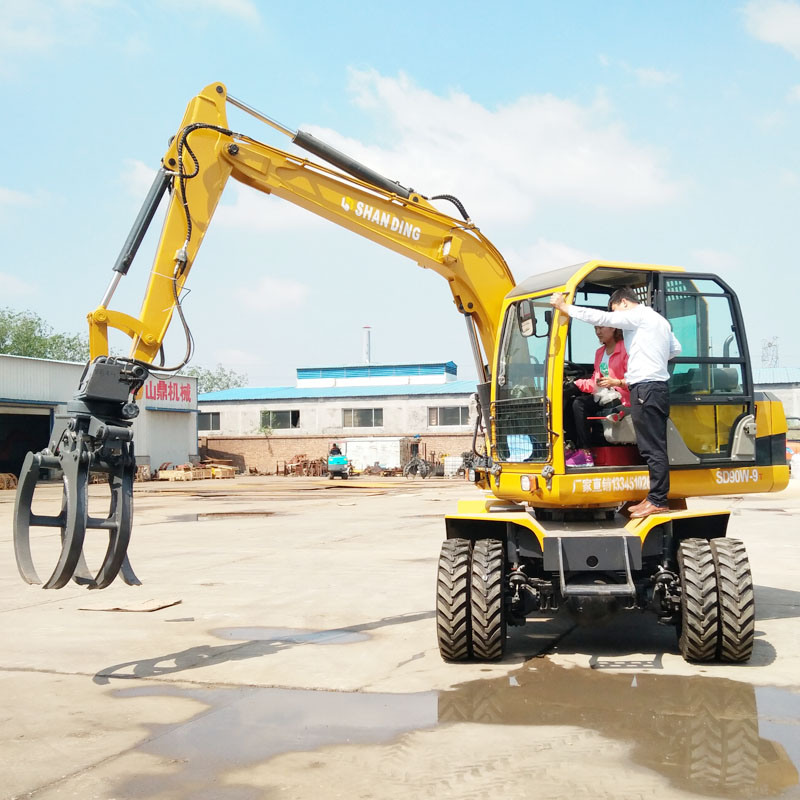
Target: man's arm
625, 320
675, 348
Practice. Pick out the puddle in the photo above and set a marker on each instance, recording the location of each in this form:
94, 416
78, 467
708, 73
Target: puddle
290, 635
207, 515
705, 736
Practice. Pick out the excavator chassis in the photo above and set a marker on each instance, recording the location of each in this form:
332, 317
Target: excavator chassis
496, 569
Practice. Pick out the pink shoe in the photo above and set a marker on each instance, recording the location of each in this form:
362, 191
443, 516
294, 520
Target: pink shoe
582, 458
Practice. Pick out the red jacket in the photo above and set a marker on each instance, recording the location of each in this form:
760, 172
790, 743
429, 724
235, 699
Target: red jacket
617, 366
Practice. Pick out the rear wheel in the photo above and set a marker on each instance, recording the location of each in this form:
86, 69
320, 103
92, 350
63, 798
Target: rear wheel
737, 610
487, 600
699, 620
453, 621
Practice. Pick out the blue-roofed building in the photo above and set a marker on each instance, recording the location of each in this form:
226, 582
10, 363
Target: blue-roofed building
261, 426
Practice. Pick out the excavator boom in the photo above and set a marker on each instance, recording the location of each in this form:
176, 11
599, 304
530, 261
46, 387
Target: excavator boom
96, 434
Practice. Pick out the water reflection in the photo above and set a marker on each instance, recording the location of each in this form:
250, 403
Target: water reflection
701, 733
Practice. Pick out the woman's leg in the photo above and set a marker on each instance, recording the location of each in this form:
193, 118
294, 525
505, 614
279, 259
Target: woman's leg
582, 407
571, 394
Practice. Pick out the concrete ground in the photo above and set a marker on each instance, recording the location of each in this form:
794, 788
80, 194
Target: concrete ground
282, 645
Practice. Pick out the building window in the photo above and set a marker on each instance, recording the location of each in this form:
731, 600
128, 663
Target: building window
362, 417
448, 415
276, 420
208, 421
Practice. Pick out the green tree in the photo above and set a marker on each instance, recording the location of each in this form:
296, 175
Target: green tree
214, 380
23, 333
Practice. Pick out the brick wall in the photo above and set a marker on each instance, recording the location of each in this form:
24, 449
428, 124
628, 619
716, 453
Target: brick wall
263, 453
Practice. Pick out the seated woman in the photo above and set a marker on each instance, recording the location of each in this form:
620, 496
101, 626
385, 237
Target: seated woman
610, 364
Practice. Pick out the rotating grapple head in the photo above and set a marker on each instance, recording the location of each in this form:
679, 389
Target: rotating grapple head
94, 436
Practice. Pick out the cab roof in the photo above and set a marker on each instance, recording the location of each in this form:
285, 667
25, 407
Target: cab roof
606, 273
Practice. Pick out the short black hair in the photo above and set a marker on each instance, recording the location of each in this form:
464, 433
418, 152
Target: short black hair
625, 293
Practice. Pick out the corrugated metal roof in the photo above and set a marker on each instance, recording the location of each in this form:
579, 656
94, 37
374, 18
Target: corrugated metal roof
293, 393
373, 370
767, 375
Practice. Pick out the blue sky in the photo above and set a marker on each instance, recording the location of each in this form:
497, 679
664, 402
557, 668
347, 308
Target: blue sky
662, 132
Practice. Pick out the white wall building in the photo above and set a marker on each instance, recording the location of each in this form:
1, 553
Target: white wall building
784, 383
369, 399
33, 391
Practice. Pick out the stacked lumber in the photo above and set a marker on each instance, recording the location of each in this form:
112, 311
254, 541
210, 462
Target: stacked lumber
221, 470
184, 472
302, 466
193, 472
8, 480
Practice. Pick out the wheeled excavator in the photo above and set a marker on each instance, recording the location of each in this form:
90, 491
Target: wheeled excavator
541, 535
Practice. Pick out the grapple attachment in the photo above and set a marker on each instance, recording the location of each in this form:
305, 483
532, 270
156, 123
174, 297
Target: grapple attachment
95, 436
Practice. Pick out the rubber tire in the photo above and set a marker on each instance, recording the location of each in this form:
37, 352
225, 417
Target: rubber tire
698, 628
453, 616
737, 607
487, 600
345, 476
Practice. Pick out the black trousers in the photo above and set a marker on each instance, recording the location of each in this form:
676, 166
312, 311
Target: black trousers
578, 406
650, 412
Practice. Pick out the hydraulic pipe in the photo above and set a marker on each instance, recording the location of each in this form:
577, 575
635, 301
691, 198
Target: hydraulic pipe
142, 222
349, 165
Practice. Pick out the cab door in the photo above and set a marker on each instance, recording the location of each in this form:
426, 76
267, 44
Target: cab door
711, 391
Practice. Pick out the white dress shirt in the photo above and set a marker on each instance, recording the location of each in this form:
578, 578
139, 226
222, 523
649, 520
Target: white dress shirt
648, 339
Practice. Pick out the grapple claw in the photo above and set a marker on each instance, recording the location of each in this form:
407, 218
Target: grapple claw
94, 437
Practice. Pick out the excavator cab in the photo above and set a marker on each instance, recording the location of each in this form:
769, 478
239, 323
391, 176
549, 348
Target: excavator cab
713, 419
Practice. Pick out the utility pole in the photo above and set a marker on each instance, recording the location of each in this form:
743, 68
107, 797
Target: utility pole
769, 352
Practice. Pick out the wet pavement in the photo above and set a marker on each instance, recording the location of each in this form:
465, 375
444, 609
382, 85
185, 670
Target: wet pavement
286, 648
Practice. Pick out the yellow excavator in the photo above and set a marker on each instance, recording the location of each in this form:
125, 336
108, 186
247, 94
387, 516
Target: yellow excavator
543, 534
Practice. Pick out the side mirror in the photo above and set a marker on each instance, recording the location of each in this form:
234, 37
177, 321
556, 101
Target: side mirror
527, 318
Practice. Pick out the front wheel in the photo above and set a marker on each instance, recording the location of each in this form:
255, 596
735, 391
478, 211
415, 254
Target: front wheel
453, 620
487, 600
699, 618
737, 608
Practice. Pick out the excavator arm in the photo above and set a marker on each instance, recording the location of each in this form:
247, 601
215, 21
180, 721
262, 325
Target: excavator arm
205, 153
96, 435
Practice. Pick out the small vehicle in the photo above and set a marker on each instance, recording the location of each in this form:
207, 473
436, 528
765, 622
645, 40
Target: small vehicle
338, 466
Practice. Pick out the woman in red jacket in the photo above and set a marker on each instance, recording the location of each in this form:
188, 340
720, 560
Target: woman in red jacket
610, 364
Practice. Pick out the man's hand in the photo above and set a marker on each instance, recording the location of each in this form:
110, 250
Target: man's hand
559, 301
611, 383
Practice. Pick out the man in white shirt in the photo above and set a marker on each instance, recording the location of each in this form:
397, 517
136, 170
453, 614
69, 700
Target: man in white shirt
650, 344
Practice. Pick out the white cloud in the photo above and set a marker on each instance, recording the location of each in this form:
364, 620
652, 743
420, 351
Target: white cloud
273, 294
13, 287
542, 256
11, 197
713, 260
770, 121
137, 177
793, 95
250, 210
775, 22
242, 9
504, 163
654, 77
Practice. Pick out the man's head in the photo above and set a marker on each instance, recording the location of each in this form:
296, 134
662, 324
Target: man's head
622, 300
